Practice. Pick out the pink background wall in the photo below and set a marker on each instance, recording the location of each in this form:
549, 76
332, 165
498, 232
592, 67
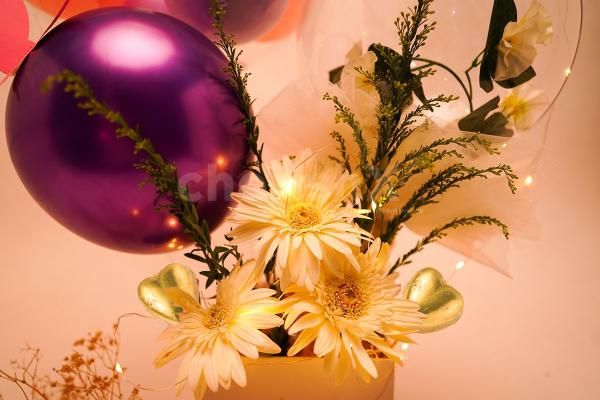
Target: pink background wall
533, 336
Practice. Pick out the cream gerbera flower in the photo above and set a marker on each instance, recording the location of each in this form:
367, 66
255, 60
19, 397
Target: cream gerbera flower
213, 338
346, 312
303, 217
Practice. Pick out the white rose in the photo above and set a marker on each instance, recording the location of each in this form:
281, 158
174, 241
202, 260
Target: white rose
516, 50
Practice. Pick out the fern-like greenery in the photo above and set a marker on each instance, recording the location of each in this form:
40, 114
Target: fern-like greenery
440, 183
443, 231
425, 158
238, 80
398, 83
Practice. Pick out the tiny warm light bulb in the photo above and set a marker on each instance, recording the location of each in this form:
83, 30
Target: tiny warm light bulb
288, 186
405, 346
220, 161
118, 368
171, 245
460, 265
135, 212
528, 180
180, 247
172, 222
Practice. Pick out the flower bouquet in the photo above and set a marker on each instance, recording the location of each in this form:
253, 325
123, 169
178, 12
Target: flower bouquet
307, 290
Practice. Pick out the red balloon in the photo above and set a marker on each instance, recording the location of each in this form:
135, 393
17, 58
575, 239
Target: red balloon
75, 6
14, 39
246, 20
153, 5
289, 21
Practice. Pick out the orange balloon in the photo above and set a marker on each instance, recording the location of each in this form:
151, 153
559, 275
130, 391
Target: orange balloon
75, 6
288, 22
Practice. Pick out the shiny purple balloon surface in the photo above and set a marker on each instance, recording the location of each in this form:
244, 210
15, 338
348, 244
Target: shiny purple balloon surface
245, 19
163, 77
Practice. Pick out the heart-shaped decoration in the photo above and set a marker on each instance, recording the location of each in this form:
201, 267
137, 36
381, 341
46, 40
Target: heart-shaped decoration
441, 303
170, 292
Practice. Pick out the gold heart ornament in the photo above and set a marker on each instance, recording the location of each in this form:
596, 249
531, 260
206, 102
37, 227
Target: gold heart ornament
170, 292
441, 303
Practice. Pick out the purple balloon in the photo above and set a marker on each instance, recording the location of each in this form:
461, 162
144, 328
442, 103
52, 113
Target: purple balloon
154, 5
246, 20
163, 77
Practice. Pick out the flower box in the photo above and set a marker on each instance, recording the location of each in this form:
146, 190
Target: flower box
302, 378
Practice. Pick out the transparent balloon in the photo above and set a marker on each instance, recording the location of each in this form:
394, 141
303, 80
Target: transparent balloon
331, 27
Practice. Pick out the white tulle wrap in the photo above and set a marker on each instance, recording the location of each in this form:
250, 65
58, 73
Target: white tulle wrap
299, 117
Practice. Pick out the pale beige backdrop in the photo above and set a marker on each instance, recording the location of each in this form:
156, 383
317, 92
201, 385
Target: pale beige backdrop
535, 336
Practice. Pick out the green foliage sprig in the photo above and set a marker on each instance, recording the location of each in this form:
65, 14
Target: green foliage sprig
239, 83
425, 158
172, 196
344, 159
443, 231
397, 81
439, 184
407, 126
343, 114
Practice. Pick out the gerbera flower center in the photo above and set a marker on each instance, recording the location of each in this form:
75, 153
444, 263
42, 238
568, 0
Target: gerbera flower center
345, 298
216, 316
303, 216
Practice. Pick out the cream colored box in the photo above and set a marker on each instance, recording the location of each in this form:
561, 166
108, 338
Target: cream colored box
301, 378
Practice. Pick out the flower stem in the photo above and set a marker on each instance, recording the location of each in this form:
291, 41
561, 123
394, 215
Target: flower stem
468, 92
474, 64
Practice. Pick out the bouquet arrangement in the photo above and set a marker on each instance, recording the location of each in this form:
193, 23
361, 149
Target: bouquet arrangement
316, 277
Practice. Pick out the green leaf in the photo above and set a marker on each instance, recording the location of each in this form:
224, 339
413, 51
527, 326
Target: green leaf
503, 12
196, 257
478, 121
335, 75
420, 93
387, 65
527, 75
384, 54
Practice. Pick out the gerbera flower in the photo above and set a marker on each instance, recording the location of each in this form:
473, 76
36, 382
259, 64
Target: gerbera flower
212, 338
348, 312
306, 217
